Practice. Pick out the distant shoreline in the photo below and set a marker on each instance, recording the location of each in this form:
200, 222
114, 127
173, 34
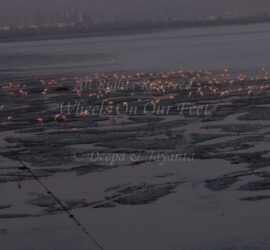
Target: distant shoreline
79, 35
129, 31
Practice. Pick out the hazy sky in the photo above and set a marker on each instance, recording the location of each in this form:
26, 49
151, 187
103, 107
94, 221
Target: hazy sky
11, 9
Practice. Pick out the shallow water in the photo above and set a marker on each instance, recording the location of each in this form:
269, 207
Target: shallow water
219, 201
208, 48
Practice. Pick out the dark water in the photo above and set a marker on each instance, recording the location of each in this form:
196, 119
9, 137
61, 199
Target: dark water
241, 47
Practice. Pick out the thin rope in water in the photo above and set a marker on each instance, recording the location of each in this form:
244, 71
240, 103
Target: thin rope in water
65, 209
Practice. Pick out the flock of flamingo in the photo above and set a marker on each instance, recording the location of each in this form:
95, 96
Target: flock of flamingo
162, 85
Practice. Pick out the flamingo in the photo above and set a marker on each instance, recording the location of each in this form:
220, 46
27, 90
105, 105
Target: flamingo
44, 92
84, 114
57, 117
40, 120
10, 118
